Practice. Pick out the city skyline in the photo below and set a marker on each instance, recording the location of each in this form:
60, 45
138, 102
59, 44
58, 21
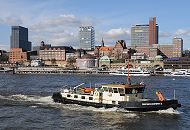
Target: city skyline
57, 22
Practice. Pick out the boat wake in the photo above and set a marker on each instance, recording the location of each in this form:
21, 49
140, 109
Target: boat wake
30, 99
168, 111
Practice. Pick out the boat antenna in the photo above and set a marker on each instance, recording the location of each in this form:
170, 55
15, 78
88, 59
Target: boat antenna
78, 85
128, 77
174, 95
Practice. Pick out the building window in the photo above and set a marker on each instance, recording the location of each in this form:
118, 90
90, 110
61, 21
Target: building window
68, 95
75, 96
82, 97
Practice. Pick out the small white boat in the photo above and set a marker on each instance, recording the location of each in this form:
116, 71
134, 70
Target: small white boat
5, 69
181, 73
132, 72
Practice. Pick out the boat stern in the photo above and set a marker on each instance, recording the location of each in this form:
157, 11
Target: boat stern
150, 105
57, 97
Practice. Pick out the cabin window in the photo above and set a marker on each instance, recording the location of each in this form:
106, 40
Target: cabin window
115, 90
82, 97
90, 98
140, 90
128, 91
68, 95
113, 102
75, 96
105, 89
121, 90
110, 90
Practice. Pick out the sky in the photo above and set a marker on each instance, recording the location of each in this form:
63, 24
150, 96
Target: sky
57, 22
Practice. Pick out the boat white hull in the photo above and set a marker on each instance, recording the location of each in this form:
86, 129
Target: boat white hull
130, 74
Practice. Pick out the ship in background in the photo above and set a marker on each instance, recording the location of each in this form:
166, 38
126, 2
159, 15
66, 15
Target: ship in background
132, 72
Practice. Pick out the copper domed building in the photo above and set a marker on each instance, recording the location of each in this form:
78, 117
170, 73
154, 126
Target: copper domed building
87, 61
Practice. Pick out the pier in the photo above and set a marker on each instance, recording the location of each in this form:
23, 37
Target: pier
54, 70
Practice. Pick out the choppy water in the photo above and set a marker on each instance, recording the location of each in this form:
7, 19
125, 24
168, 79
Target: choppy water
25, 103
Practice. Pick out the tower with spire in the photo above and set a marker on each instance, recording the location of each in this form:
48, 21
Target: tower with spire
102, 42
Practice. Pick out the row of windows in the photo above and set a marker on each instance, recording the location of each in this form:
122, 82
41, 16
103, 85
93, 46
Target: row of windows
82, 97
123, 91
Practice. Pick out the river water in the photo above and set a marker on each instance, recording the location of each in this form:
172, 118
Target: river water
25, 103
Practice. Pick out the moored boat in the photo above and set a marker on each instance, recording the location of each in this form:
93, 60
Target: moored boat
180, 73
132, 72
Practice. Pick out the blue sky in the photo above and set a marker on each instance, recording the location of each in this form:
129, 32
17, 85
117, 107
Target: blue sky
56, 21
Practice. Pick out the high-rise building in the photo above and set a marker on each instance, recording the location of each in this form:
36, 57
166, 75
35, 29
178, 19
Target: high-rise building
19, 38
145, 34
87, 37
153, 31
140, 35
177, 47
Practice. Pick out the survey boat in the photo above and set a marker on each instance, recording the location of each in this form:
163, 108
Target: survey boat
122, 95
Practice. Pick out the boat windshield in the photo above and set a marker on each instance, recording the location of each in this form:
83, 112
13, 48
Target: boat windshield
121, 90
110, 89
105, 89
134, 90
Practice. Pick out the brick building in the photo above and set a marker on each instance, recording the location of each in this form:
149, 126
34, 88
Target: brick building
118, 51
55, 53
167, 51
17, 55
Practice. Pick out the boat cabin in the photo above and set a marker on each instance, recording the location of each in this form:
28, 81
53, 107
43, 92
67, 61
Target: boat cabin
107, 93
113, 93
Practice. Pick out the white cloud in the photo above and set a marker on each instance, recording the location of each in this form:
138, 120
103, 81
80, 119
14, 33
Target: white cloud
11, 20
49, 23
68, 39
58, 30
112, 35
165, 34
4, 46
182, 32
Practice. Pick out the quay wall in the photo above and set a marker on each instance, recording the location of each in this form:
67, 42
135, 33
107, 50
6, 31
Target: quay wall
54, 70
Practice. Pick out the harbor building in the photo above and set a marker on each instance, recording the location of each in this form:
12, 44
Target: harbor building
145, 34
19, 38
177, 47
166, 50
57, 53
116, 52
17, 55
172, 50
87, 37
87, 61
177, 63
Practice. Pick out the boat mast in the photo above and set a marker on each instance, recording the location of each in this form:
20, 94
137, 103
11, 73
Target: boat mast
128, 77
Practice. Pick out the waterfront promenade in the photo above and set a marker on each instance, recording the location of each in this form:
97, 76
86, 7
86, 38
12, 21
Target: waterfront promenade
54, 70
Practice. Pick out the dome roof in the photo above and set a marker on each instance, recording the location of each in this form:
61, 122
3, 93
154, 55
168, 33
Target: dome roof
105, 58
88, 56
158, 57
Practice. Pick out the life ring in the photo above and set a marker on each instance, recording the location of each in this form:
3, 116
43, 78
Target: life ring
96, 93
133, 91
